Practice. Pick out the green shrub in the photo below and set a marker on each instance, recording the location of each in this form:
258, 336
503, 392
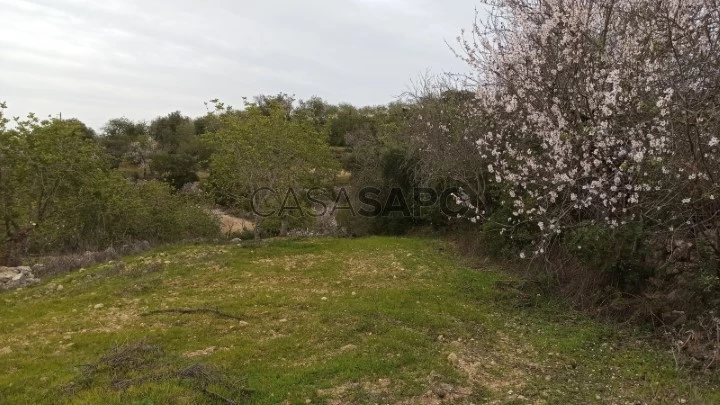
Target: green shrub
114, 210
500, 241
621, 251
172, 217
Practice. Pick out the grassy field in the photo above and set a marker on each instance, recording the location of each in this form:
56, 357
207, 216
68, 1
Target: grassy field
373, 320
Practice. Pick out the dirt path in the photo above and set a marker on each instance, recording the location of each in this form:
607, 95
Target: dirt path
231, 224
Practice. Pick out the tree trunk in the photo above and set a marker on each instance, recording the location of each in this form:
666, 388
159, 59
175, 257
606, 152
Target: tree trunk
283, 226
256, 215
256, 228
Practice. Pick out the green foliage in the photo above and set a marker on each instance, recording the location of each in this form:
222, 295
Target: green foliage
172, 131
114, 210
621, 251
43, 163
169, 217
501, 241
81, 129
271, 104
261, 147
346, 119
176, 169
181, 151
317, 111
125, 140
379, 157
58, 193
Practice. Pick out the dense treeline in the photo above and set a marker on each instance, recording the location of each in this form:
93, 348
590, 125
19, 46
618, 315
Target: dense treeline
66, 188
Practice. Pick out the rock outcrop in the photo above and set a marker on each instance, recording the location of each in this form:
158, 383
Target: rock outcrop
16, 277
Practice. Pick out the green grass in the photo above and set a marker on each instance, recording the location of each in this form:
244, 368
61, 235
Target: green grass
373, 320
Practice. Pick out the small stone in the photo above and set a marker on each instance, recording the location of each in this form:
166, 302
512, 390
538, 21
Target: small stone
453, 358
60, 287
243, 323
283, 320
98, 306
324, 298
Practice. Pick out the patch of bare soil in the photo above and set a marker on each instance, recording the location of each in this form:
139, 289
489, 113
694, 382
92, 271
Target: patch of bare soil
230, 224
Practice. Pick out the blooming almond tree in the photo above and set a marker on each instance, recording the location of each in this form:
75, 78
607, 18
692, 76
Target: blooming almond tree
604, 111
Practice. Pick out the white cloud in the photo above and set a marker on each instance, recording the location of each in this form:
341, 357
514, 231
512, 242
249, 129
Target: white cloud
96, 60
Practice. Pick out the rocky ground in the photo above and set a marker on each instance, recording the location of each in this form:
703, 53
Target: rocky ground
16, 277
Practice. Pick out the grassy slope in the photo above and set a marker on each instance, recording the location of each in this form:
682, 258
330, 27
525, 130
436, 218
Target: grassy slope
375, 320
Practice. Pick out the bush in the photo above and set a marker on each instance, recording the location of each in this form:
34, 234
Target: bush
622, 252
500, 241
115, 211
59, 194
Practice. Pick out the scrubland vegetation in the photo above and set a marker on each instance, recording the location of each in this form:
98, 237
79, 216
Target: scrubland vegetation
582, 155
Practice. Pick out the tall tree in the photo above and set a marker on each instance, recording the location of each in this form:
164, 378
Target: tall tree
262, 148
172, 130
178, 156
125, 139
41, 164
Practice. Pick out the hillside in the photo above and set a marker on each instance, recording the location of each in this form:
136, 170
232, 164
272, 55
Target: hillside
372, 320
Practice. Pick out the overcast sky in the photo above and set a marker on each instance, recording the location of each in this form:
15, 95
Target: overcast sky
101, 59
